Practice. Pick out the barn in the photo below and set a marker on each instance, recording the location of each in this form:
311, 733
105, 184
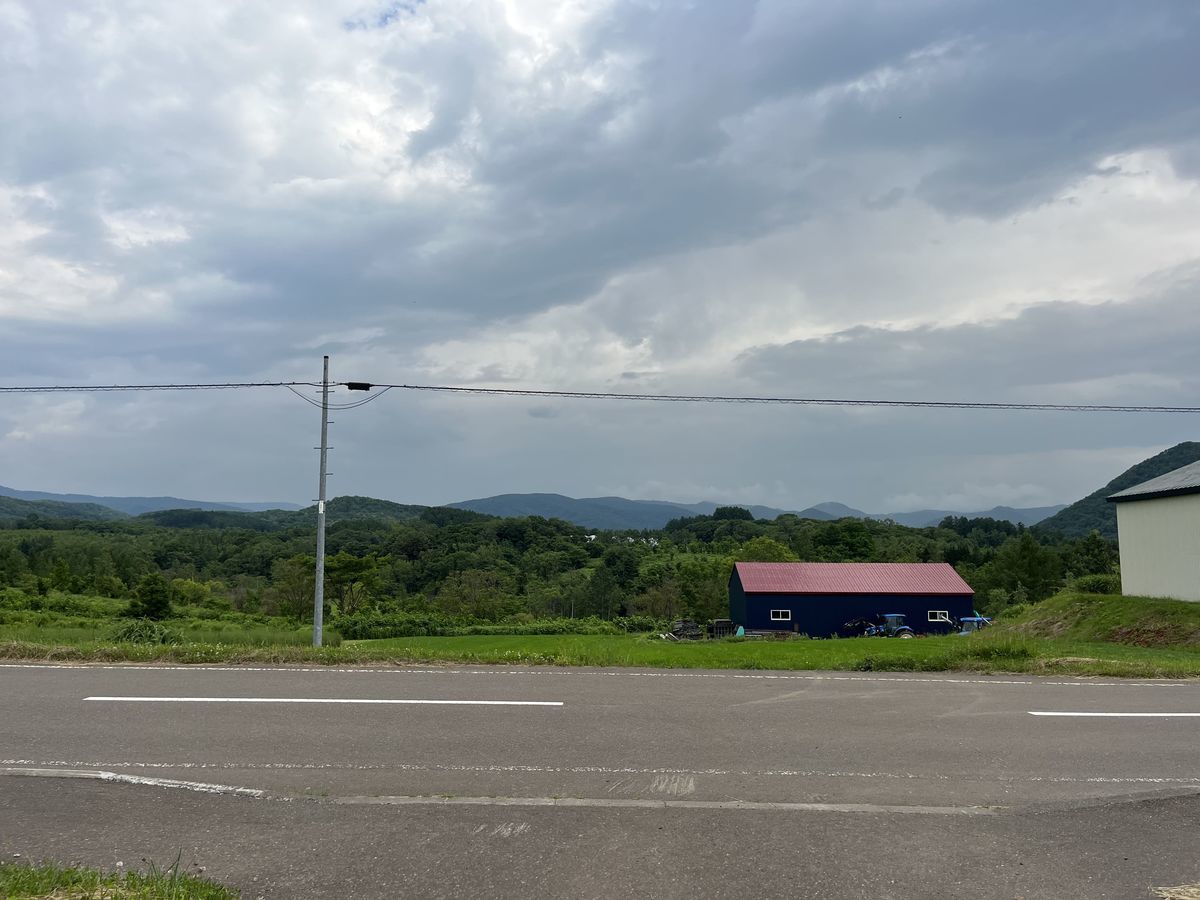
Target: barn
817, 599
1158, 531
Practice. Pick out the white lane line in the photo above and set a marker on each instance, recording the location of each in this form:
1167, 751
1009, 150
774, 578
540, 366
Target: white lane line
496, 768
501, 670
617, 803
1120, 715
633, 803
326, 700
199, 786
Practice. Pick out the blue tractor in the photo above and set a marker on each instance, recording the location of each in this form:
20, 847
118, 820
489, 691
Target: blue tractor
883, 625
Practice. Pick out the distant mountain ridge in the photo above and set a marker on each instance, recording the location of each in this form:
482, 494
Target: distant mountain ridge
619, 513
1094, 512
134, 506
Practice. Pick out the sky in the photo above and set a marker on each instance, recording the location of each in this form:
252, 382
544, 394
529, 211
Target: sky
895, 199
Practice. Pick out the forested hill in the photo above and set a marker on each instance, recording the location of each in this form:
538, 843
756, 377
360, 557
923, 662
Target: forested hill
604, 513
339, 509
12, 510
620, 513
134, 506
1094, 512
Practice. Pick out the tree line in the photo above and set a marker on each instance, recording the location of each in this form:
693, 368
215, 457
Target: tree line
467, 566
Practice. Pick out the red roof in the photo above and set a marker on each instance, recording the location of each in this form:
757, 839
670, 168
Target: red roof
850, 578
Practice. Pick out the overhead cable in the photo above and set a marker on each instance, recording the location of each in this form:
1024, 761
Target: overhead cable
792, 401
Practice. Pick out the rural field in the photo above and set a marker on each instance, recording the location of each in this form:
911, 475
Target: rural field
1069, 634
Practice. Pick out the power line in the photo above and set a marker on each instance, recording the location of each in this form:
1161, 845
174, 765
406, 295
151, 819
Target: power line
599, 395
109, 388
791, 401
354, 405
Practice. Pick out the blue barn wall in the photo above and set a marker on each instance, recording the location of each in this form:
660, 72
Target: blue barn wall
820, 615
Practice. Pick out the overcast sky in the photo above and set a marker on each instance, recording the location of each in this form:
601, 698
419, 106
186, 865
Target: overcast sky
920, 199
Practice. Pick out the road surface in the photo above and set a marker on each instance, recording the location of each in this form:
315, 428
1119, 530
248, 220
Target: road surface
461, 781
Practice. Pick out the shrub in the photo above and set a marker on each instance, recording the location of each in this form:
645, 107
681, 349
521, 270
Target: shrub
1097, 584
143, 631
151, 599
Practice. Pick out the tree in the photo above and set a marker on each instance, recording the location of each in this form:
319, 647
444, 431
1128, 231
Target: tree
477, 593
1092, 556
765, 549
293, 586
151, 598
733, 512
663, 601
603, 597
1021, 562
352, 580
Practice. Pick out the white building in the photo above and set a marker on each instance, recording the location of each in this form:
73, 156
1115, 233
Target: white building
1158, 530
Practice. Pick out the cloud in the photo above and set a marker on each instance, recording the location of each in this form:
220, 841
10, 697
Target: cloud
779, 196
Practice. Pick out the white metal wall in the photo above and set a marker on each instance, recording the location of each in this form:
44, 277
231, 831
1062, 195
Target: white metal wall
1160, 547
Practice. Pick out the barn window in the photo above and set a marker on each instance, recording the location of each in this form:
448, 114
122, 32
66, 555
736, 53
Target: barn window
781, 615
939, 615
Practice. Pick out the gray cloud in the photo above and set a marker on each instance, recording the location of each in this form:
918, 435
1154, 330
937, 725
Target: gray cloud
655, 194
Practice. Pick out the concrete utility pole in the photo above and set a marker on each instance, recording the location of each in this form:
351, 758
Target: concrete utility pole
319, 590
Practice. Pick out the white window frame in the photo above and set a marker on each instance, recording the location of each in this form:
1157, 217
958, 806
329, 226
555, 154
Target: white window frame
938, 615
781, 615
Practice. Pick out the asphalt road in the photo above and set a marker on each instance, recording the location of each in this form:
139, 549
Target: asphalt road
573, 782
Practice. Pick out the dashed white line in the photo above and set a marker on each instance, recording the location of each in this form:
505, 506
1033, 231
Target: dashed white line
349, 700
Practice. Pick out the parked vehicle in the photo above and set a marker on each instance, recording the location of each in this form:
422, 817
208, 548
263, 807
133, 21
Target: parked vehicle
971, 624
883, 625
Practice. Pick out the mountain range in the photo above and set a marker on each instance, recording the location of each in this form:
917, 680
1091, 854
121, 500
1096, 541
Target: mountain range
618, 513
601, 513
135, 506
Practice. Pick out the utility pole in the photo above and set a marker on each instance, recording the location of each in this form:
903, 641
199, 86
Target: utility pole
319, 590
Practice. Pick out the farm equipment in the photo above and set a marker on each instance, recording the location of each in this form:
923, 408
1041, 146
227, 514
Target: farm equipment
884, 625
971, 624
684, 630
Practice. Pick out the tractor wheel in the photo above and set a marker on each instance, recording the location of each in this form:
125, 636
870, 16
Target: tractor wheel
905, 634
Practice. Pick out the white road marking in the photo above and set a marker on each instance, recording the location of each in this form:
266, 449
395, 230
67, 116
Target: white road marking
633, 803
1121, 715
326, 700
591, 770
200, 786
501, 670
511, 829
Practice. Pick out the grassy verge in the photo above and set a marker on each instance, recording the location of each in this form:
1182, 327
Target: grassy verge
997, 652
1138, 621
25, 882
1069, 634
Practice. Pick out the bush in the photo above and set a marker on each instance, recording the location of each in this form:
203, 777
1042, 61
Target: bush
151, 599
1097, 584
374, 625
143, 631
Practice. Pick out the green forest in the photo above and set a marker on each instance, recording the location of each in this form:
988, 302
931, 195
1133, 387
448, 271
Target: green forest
426, 570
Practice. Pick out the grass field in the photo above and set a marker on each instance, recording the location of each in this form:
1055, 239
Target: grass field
52, 882
999, 651
1070, 634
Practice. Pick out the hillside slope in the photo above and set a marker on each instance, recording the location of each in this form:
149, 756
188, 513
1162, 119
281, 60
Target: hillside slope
1095, 512
135, 506
12, 509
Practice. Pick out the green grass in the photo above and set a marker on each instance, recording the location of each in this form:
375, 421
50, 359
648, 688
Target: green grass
24, 882
1070, 634
1139, 621
98, 632
999, 651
